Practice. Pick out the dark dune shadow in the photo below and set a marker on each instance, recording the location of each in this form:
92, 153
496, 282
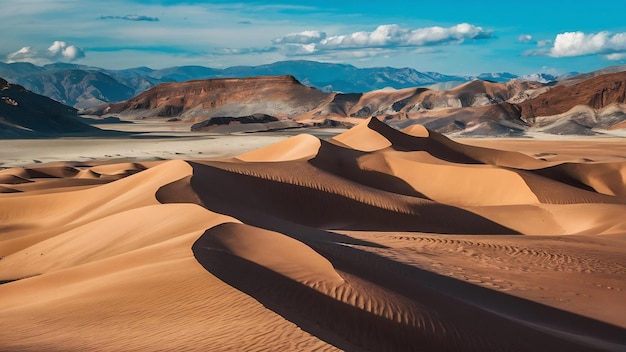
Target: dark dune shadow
404, 142
319, 203
181, 192
552, 188
552, 185
557, 173
449, 150
453, 315
574, 174
343, 162
548, 323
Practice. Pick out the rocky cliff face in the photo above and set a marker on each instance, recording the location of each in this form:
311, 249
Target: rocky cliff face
596, 92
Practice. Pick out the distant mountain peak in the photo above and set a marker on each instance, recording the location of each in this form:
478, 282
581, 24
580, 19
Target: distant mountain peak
126, 83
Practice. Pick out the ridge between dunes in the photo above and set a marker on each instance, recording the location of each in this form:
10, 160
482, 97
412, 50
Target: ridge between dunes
81, 258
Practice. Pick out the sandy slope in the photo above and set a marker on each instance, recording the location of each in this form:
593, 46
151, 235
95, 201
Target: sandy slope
375, 239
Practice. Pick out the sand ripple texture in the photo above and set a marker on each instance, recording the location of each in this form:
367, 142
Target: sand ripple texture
374, 240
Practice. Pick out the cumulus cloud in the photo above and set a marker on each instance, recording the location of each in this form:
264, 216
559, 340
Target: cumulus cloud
525, 38
61, 51
570, 44
58, 51
24, 54
384, 36
130, 18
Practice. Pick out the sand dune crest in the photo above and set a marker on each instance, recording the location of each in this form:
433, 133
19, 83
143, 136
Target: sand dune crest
298, 147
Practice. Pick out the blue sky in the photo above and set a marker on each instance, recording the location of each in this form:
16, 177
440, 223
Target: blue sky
453, 37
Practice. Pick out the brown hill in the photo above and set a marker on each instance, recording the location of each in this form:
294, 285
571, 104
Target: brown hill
579, 78
595, 103
411, 100
579, 109
279, 96
596, 92
26, 114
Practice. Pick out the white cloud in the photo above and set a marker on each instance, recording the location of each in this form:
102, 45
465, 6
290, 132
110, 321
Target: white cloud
525, 38
543, 43
62, 51
616, 56
306, 37
578, 44
24, 54
58, 51
384, 36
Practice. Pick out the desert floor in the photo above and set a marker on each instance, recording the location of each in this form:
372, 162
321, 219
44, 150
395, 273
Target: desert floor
365, 239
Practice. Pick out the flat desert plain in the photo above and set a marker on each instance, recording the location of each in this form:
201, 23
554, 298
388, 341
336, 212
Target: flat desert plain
372, 239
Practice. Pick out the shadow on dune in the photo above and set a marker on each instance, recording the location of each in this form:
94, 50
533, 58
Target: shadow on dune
344, 162
446, 149
610, 175
433, 144
560, 184
552, 187
300, 193
430, 312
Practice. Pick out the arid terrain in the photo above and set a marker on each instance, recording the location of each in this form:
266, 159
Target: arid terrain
363, 239
270, 175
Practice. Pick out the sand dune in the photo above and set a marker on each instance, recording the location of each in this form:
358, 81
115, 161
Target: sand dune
376, 239
298, 147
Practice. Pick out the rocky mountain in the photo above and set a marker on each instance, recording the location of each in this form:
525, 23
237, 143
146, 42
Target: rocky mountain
594, 103
279, 96
568, 81
80, 88
217, 102
591, 106
85, 86
473, 108
26, 114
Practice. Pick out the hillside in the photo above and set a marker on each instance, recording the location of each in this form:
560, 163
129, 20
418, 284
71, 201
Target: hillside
280, 96
584, 108
225, 101
26, 114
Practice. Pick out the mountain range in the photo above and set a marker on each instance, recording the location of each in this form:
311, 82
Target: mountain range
582, 105
475, 108
83, 86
